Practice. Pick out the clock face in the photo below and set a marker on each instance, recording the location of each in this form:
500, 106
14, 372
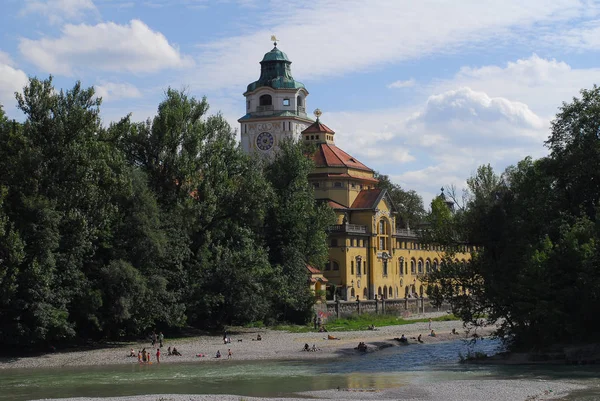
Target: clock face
264, 141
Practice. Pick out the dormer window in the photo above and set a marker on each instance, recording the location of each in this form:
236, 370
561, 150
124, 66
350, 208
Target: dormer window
286, 102
299, 101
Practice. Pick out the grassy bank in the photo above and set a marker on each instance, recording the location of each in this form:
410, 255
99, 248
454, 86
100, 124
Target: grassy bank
360, 322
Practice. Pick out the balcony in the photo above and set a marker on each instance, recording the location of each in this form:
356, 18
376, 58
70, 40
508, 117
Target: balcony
404, 232
348, 228
264, 108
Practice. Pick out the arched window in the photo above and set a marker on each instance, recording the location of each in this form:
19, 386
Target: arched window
406, 292
413, 266
379, 291
397, 293
358, 266
299, 101
435, 265
391, 293
365, 294
401, 266
352, 293
385, 267
335, 265
421, 290
427, 266
266, 100
385, 291
420, 267
381, 226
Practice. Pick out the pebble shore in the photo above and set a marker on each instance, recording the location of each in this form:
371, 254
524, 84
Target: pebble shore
278, 345
275, 345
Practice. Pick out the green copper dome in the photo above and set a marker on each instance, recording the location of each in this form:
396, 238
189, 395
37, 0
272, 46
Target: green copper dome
275, 55
275, 72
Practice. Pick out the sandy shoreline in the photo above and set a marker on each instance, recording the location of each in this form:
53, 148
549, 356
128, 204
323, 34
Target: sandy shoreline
275, 345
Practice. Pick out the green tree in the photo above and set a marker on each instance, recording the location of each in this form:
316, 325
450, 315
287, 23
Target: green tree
295, 230
536, 229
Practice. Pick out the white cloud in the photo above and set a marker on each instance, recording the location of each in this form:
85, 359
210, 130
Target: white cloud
59, 10
6, 59
11, 80
114, 91
105, 46
494, 114
466, 105
542, 84
336, 37
402, 84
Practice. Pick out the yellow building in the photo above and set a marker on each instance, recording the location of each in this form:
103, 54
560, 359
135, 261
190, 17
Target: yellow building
370, 253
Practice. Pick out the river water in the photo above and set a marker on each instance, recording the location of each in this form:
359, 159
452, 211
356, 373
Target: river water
391, 367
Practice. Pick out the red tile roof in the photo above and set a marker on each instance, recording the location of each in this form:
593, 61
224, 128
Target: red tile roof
328, 155
342, 175
334, 205
366, 199
317, 128
313, 270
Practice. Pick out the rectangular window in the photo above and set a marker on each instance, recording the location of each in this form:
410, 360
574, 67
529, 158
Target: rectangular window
352, 267
358, 266
385, 267
286, 102
381, 243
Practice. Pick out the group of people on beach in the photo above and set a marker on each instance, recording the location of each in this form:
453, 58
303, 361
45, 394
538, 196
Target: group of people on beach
309, 349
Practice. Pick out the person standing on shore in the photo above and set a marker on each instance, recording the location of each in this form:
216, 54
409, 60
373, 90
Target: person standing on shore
161, 338
315, 320
429, 323
153, 338
229, 353
158, 355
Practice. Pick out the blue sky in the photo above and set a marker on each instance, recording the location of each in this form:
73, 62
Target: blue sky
424, 91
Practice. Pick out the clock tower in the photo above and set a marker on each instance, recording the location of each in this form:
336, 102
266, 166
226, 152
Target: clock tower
275, 106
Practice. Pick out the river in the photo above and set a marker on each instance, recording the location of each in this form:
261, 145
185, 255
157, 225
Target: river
391, 367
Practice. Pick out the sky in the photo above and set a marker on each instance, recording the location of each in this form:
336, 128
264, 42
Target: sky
423, 91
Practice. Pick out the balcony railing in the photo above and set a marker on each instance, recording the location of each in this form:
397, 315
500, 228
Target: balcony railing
348, 228
301, 109
406, 232
264, 108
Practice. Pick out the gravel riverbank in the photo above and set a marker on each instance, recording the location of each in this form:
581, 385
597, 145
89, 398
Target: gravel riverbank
275, 345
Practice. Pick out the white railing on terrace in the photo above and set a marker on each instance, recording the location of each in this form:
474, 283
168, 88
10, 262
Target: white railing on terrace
348, 228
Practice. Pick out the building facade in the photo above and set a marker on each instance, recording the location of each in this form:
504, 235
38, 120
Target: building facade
371, 255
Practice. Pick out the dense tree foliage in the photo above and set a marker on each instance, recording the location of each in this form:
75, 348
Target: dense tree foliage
536, 270
113, 231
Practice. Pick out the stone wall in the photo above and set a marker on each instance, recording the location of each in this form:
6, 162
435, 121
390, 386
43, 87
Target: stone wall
400, 307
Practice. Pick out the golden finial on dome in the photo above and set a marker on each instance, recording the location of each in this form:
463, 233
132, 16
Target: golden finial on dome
317, 113
274, 40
